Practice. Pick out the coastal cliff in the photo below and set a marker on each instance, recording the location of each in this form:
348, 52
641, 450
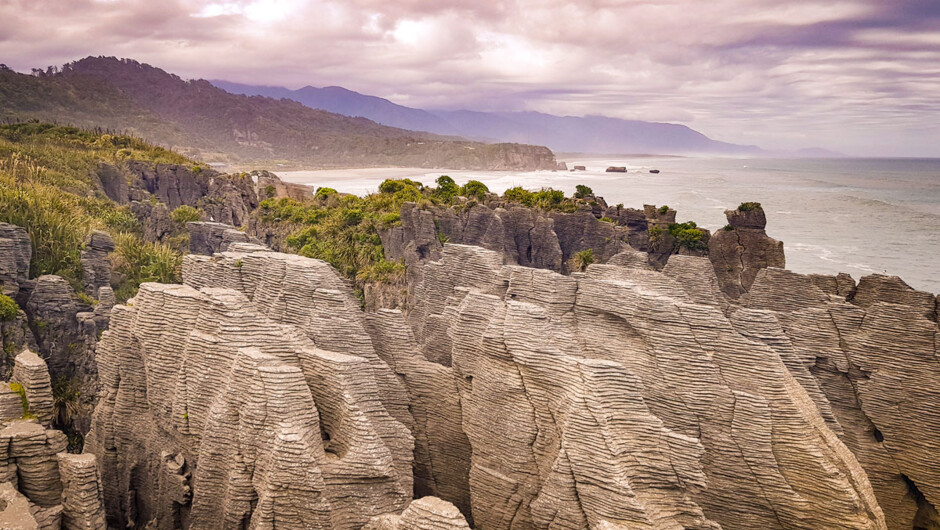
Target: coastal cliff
443, 357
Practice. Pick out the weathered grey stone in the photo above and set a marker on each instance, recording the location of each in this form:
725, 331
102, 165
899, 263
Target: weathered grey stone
82, 507
238, 378
15, 251
555, 373
426, 513
96, 267
740, 253
31, 372
15, 511
876, 361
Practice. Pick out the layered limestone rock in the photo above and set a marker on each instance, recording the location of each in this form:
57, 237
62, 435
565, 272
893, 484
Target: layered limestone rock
442, 450
41, 486
876, 361
66, 331
208, 238
15, 511
225, 198
32, 374
249, 396
426, 513
15, 251
82, 506
523, 236
96, 267
565, 381
742, 249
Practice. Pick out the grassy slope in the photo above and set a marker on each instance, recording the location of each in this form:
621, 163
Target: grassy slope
48, 186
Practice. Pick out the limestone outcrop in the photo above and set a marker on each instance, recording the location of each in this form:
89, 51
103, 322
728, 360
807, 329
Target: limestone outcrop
259, 395
562, 379
15, 251
251, 395
207, 238
66, 331
426, 513
96, 267
876, 360
41, 486
32, 374
742, 249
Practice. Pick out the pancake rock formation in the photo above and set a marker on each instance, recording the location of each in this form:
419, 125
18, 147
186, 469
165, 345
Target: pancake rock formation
41, 486
259, 395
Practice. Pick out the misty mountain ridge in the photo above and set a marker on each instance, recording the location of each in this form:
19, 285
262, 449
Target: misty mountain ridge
588, 134
211, 124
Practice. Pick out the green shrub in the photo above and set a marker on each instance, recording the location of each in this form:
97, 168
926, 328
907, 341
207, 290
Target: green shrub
688, 235
442, 237
56, 223
65, 400
396, 185
663, 210
608, 220
390, 219
446, 189
270, 191
582, 191
518, 194
749, 206
323, 193
580, 261
185, 214
8, 308
728, 228
474, 189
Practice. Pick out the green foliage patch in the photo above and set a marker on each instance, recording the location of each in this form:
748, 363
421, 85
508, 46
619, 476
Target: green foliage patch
749, 206
185, 214
8, 308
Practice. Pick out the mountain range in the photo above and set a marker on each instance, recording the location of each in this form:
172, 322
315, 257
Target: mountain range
210, 124
588, 134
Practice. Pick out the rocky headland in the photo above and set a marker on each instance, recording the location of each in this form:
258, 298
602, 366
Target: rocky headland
526, 361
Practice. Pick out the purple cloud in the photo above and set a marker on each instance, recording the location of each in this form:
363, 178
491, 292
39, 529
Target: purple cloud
858, 76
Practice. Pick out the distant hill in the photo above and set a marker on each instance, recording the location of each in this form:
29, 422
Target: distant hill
208, 123
589, 134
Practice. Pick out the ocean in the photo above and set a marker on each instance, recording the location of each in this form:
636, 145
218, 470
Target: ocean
859, 216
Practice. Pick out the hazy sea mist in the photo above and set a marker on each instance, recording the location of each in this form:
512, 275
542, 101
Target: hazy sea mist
835, 215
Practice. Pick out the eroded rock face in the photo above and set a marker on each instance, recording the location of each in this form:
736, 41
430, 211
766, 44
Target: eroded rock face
96, 267
562, 379
251, 395
31, 372
740, 252
15, 251
207, 238
426, 513
258, 394
876, 361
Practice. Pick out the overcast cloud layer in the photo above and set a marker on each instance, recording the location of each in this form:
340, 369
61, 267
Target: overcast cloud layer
857, 76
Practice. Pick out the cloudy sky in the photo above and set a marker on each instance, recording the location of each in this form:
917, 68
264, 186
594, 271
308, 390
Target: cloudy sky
857, 76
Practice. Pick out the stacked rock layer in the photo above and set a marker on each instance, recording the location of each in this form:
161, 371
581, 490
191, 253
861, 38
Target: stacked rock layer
259, 395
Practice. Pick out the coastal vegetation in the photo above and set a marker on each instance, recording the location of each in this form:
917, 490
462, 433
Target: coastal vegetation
47, 186
8, 308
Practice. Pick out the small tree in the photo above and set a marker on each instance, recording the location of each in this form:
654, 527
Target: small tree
581, 191
446, 188
474, 189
